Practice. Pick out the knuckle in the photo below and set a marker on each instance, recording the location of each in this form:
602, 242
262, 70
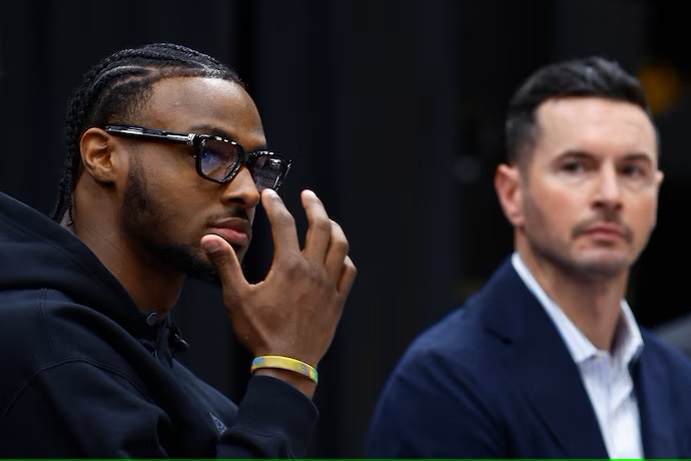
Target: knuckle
350, 269
353, 269
293, 264
322, 223
337, 230
341, 246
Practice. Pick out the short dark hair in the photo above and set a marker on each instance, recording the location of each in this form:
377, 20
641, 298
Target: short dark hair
116, 88
591, 76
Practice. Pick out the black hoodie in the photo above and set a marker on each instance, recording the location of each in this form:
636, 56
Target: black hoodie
85, 373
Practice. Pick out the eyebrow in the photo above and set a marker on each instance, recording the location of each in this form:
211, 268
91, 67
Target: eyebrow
628, 156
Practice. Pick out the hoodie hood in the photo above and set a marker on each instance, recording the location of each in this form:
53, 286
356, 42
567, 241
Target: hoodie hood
38, 253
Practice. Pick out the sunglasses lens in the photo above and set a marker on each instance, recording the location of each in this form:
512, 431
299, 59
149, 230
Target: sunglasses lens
268, 171
218, 158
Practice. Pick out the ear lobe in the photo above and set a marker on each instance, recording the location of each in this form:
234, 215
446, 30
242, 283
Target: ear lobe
96, 149
507, 187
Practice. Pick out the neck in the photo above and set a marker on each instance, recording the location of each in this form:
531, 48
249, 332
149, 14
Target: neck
153, 286
592, 304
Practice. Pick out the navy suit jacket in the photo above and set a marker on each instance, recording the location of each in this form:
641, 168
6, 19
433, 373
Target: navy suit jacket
494, 379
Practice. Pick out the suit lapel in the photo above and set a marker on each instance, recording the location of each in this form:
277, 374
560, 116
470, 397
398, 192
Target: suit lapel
542, 366
657, 421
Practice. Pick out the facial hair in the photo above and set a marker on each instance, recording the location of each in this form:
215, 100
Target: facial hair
556, 252
145, 220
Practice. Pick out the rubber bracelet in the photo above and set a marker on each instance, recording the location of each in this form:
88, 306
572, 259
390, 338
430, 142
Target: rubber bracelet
285, 363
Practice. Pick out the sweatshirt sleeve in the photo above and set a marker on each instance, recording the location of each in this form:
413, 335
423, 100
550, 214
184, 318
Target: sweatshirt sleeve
81, 410
275, 420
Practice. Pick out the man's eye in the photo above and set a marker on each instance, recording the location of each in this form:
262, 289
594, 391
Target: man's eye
572, 167
634, 171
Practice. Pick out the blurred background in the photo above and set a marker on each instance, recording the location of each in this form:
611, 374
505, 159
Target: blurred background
393, 112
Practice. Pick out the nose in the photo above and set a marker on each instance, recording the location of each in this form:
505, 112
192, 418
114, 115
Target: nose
608, 188
242, 189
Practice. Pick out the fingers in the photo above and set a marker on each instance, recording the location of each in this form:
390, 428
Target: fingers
283, 229
325, 242
337, 251
295, 310
348, 274
338, 263
224, 259
319, 228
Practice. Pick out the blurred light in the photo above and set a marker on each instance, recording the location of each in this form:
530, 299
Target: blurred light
662, 85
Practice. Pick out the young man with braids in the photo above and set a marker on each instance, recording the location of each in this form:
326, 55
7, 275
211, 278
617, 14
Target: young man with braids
166, 163
547, 360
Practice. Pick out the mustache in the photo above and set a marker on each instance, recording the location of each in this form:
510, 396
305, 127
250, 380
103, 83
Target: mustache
607, 217
238, 212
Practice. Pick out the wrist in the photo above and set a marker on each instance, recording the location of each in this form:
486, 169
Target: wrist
297, 381
285, 363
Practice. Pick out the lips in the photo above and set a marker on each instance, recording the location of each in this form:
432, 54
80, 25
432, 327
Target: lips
608, 231
236, 231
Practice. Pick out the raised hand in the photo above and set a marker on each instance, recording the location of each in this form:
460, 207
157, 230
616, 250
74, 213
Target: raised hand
295, 310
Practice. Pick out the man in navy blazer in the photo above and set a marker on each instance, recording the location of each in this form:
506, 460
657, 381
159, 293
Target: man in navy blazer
546, 360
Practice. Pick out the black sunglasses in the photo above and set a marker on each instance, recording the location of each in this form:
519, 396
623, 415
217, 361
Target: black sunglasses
217, 159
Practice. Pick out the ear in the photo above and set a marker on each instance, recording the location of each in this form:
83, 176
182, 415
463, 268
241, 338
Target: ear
97, 151
507, 186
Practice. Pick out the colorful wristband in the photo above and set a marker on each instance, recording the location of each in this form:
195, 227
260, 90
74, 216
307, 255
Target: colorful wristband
285, 363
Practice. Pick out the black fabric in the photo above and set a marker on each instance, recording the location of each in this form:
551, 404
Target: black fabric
85, 373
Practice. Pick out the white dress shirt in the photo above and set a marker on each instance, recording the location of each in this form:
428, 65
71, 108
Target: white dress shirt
605, 374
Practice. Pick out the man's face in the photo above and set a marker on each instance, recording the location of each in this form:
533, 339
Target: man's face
588, 197
167, 206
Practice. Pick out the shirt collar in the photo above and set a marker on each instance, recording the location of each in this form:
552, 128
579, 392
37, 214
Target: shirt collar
628, 342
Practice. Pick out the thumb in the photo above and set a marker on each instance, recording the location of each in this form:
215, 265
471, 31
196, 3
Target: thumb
224, 259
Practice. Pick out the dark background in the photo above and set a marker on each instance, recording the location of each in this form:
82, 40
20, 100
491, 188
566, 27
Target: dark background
393, 111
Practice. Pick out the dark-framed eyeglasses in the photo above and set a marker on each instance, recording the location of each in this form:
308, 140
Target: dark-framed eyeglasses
217, 159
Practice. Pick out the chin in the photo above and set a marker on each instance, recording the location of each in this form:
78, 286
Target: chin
605, 266
197, 266
191, 261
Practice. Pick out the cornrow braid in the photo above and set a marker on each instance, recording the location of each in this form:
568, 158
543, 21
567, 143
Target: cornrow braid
115, 89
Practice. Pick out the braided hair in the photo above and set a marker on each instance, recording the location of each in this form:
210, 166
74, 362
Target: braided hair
116, 88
